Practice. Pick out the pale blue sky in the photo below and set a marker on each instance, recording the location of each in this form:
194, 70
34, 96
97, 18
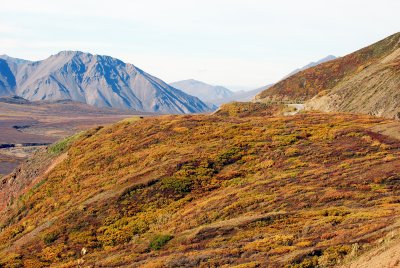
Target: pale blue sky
226, 42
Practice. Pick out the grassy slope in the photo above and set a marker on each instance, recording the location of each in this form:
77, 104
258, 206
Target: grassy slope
373, 90
308, 83
211, 191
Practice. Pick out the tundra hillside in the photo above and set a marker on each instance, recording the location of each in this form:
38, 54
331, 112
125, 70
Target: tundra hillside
208, 191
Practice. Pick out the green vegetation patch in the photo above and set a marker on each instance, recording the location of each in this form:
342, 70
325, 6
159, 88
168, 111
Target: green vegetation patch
63, 145
50, 237
159, 241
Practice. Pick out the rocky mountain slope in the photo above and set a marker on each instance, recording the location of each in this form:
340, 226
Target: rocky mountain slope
231, 189
101, 81
374, 89
366, 81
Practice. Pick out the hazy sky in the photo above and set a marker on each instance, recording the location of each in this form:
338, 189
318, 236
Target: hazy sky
245, 43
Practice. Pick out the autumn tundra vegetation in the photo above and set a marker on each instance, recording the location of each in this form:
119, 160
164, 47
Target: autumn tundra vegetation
239, 188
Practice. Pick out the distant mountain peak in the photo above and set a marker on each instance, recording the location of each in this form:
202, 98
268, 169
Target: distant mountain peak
193, 82
329, 57
206, 92
13, 60
312, 64
216, 95
97, 80
71, 52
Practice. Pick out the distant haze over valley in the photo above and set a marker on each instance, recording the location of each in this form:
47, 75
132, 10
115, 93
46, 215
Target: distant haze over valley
217, 95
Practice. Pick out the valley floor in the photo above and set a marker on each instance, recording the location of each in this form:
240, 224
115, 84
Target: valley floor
24, 128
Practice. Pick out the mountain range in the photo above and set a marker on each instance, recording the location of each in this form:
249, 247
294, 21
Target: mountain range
218, 95
107, 82
215, 95
97, 80
208, 93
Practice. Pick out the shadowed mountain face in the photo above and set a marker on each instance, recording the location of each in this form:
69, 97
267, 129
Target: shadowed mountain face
7, 79
14, 60
101, 81
365, 81
13, 64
